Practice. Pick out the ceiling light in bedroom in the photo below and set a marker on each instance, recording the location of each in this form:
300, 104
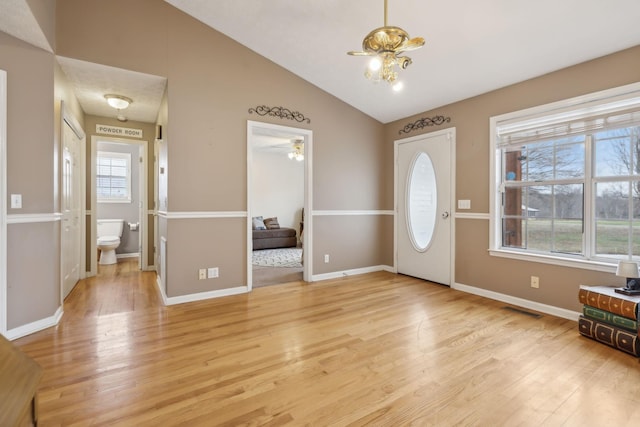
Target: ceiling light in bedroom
385, 44
118, 102
297, 152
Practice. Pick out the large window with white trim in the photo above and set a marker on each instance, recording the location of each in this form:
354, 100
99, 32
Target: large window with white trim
113, 177
567, 180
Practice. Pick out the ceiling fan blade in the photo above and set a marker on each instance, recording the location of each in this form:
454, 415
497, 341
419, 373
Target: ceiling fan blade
360, 53
413, 44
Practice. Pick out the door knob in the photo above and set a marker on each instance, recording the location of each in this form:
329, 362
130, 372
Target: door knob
445, 215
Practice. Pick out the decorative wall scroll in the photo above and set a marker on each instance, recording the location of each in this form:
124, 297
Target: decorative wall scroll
281, 112
425, 122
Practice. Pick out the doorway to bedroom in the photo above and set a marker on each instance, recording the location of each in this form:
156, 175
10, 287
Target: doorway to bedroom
278, 230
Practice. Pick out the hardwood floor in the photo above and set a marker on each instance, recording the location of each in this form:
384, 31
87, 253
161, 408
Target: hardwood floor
376, 349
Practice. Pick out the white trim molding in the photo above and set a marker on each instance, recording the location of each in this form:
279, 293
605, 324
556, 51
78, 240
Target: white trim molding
472, 215
33, 218
3, 205
200, 215
38, 325
199, 296
550, 259
345, 273
254, 130
351, 212
520, 302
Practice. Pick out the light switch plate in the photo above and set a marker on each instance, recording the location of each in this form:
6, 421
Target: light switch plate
464, 204
16, 201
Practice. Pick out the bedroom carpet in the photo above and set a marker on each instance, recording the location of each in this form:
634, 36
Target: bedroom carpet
284, 257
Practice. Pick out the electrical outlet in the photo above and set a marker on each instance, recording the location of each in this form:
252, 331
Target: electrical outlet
213, 272
535, 282
326, 258
202, 274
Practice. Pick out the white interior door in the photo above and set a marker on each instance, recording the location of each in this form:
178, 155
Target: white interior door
424, 223
71, 193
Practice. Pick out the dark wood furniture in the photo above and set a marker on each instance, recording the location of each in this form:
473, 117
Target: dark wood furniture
19, 378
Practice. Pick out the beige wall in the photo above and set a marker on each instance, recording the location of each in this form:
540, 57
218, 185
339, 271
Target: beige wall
212, 83
474, 266
30, 129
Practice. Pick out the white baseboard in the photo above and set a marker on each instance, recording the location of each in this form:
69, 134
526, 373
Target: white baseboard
520, 302
36, 326
344, 273
131, 255
199, 296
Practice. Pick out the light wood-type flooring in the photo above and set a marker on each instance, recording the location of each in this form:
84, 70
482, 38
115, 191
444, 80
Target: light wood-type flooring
376, 349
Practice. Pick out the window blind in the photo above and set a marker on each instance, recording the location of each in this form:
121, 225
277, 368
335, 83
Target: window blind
590, 117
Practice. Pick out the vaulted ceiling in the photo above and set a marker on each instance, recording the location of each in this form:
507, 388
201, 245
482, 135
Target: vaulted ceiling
472, 47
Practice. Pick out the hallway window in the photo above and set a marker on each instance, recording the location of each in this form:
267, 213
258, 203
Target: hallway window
113, 177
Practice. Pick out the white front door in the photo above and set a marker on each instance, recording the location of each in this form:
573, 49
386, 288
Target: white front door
424, 223
71, 189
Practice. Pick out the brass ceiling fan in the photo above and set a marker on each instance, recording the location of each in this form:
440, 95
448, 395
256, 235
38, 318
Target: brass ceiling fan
385, 44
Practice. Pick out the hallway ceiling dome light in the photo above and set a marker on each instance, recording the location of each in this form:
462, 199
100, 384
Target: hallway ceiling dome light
118, 102
385, 44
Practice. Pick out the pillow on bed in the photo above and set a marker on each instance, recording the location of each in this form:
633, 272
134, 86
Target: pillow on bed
258, 223
271, 223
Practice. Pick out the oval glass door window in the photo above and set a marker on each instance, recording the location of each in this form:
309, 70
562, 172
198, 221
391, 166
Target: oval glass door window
422, 201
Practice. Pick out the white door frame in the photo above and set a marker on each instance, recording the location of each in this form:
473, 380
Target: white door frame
68, 119
3, 205
144, 188
252, 126
452, 195
156, 200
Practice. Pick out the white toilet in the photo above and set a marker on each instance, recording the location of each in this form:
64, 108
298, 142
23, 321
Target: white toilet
109, 233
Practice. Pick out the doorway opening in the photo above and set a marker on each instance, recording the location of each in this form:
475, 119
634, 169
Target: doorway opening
119, 199
279, 220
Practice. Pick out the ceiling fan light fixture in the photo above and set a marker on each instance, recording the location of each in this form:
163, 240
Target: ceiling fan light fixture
297, 153
384, 44
375, 64
118, 102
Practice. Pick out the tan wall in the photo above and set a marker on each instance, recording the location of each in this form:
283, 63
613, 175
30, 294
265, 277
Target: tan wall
223, 243
33, 272
30, 129
30, 124
474, 266
212, 82
352, 242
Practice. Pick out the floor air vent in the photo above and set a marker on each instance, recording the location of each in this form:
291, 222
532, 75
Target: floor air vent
526, 313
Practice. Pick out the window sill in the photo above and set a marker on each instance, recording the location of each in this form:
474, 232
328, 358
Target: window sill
560, 261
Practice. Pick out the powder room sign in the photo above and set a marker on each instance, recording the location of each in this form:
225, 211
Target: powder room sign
118, 131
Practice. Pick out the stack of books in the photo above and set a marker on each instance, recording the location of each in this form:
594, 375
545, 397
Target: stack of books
610, 318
